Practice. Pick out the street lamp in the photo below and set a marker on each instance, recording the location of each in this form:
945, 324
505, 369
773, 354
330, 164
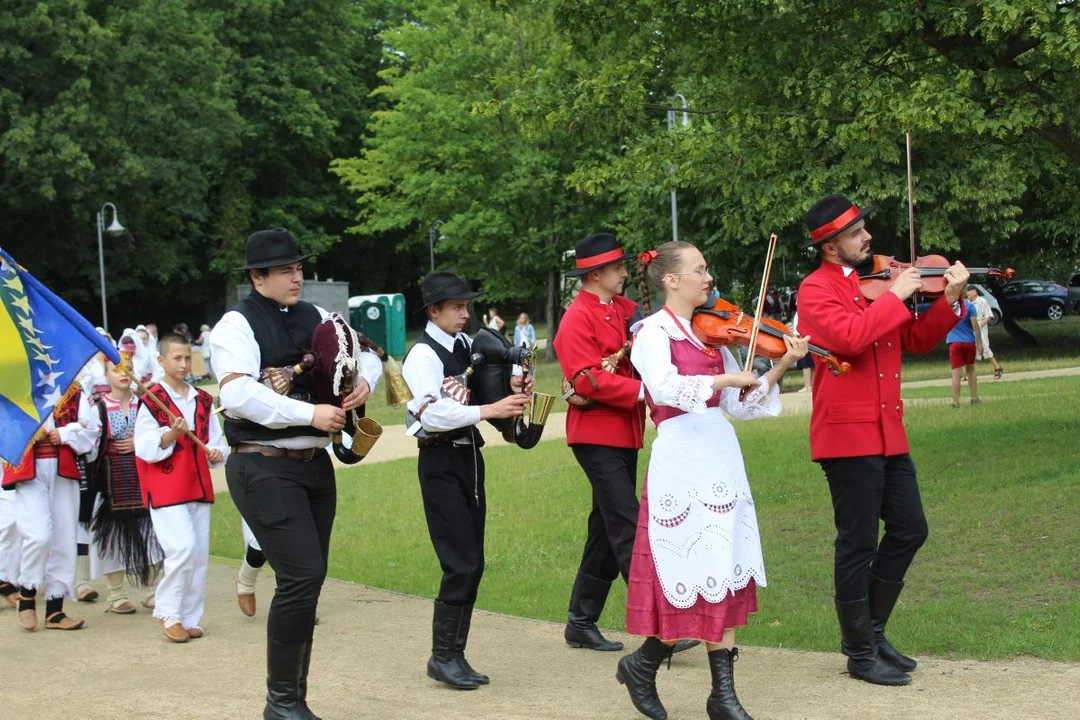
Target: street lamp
674, 203
115, 228
432, 237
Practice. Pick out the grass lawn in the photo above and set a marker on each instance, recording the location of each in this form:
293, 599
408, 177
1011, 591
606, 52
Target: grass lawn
999, 576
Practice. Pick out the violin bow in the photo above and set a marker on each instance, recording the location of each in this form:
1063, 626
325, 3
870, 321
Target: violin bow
911, 216
761, 302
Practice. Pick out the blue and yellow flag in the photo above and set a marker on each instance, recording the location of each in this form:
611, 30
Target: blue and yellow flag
44, 344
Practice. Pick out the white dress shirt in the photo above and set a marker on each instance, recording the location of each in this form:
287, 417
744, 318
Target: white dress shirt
423, 371
234, 350
148, 432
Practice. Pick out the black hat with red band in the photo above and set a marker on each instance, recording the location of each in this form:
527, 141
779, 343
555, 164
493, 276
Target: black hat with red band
831, 216
596, 251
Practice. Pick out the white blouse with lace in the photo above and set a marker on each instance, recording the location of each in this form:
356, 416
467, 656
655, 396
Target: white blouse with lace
703, 530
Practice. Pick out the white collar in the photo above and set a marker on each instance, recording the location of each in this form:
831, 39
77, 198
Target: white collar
441, 336
847, 270
176, 396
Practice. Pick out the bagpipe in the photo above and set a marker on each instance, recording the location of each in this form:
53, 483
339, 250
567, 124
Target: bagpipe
333, 365
488, 376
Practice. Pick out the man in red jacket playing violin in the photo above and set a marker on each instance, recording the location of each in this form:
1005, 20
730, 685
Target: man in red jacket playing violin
857, 430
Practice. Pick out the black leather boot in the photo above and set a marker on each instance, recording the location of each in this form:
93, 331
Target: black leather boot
462, 641
586, 603
307, 714
883, 595
444, 664
681, 645
723, 703
283, 667
637, 671
857, 636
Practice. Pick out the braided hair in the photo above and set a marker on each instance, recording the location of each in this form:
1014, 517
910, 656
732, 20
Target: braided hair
653, 265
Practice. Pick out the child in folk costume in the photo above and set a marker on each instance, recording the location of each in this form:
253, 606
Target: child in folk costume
94, 384
697, 554
46, 484
123, 536
450, 467
174, 473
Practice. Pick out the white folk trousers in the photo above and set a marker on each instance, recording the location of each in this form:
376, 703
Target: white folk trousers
47, 511
183, 532
10, 540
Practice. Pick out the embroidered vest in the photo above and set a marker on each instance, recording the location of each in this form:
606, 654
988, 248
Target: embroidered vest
454, 364
184, 476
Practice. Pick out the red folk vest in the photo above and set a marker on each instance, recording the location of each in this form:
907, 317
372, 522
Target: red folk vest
65, 413
184, 476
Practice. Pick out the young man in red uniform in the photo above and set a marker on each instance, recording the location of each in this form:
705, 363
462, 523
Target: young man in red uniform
606, 436
175, 476
857, 430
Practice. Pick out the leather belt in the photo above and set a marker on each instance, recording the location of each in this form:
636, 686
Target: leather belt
305, 455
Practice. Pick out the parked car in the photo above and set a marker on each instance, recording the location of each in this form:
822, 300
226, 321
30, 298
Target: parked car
1036, 299
995, 306
1074, 291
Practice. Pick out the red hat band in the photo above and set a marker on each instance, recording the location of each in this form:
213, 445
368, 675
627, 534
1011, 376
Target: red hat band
836, 225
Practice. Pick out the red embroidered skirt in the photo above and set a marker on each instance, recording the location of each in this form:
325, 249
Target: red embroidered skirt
648, 612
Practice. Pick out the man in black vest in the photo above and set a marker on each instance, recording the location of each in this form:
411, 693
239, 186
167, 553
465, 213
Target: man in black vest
279, 473
443, 417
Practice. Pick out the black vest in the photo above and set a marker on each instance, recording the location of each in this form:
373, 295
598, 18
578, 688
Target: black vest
453, 365
283, 338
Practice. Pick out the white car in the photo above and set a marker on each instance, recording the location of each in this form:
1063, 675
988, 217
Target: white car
995, 306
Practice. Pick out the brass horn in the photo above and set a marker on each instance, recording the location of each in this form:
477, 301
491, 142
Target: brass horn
530, 426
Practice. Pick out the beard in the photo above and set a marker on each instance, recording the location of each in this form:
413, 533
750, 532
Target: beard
853, 259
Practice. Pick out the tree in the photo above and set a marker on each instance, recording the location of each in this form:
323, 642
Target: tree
449, 147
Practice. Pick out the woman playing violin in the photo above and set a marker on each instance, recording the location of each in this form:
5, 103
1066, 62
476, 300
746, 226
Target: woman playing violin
857, 431
697, 555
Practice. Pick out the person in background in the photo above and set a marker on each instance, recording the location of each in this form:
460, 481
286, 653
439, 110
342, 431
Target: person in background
495, 322
985, 315
524, 332
204, 347
806, 364
965, 343
152, 342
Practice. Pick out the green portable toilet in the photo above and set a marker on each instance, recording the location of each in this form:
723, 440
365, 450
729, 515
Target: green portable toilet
393, 305
372, 316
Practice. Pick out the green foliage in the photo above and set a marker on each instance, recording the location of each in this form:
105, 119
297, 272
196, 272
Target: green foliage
449, 148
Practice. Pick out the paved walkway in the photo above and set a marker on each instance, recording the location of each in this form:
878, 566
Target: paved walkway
370, 653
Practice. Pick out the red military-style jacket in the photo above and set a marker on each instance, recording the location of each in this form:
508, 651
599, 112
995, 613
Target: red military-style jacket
861, 413
590, 331
65, 413
184, 476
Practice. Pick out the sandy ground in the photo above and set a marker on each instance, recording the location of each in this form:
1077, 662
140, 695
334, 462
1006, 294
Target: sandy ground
372, 646
369, 662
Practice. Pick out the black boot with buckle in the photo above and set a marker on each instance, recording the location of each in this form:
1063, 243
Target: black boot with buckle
883, 596
637, 671
723, 703
586, 603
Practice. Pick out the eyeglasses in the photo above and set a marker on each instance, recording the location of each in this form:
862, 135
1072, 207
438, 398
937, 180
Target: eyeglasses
702, 273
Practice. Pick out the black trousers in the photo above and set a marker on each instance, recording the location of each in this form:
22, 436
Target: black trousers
609, 545
452, 487
864, 490
289, 505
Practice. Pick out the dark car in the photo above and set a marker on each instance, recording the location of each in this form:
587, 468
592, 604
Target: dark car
1036, 299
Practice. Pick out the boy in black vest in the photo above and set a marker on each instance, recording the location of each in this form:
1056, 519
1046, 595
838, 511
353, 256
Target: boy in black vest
279, 473
443, 419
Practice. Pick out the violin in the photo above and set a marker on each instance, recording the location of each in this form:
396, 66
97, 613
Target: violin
881, 270
719, 322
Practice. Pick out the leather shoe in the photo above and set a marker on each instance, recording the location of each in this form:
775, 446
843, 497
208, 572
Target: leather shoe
86, 594
175, 632
247, 604
28, 616
124, 608
194, 633
13, 600
60, 621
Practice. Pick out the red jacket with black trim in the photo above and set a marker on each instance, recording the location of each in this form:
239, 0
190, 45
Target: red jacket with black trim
184, 476
589, 332
861, 413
